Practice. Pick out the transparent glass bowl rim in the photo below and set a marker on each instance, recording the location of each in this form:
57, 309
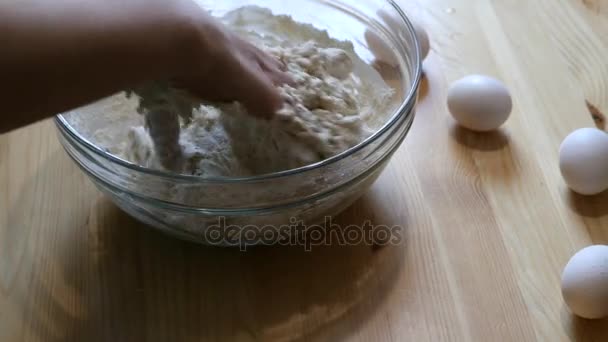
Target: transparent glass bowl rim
399, 112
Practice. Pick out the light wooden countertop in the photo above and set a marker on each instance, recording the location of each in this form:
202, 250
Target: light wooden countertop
489, 223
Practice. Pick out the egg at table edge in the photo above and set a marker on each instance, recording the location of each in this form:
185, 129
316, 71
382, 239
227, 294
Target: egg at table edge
585, 282
583, 161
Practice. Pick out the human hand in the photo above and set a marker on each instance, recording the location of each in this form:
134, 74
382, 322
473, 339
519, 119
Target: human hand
225, 67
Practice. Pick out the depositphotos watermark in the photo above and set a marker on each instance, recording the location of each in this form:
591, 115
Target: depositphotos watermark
296, 233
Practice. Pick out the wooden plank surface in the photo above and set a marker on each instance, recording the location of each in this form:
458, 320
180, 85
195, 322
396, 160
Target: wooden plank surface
489, 223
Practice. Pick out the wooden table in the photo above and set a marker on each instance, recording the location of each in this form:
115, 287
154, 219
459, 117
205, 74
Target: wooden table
489, 223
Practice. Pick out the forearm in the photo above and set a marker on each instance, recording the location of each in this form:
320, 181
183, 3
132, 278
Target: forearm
60, 54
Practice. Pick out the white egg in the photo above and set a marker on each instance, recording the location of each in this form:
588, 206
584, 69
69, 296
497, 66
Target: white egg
423, 40
585, 283
479, 103
583, 160
383, 51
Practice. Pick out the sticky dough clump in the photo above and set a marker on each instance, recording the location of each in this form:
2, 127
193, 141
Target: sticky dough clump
324, 114
336, 102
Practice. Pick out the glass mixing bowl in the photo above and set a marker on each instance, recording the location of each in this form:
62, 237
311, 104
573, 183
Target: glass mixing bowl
266, 208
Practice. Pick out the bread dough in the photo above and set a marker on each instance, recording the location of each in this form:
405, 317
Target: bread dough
327, 111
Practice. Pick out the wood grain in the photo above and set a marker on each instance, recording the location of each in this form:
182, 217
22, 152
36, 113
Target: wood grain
489, 223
